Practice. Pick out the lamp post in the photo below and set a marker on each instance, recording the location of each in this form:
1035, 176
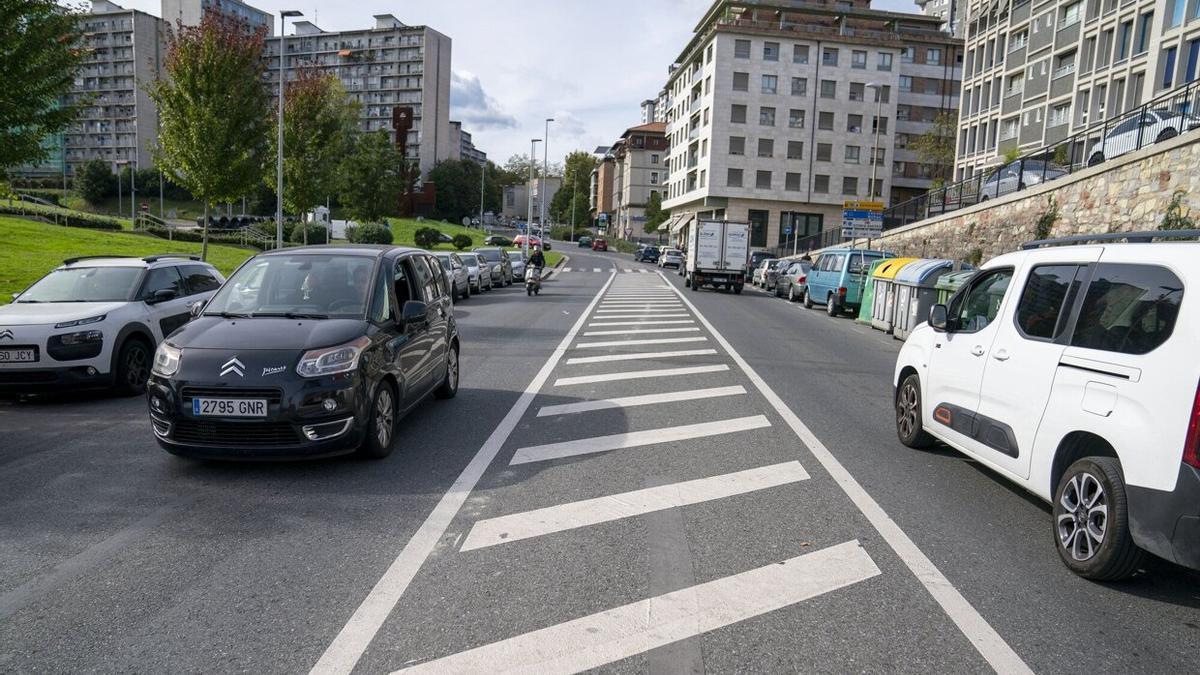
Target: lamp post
283, 17
545, 179
529, 194
482, 178
878, 120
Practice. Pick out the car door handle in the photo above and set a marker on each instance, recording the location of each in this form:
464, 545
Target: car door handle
1000, 355
977, 350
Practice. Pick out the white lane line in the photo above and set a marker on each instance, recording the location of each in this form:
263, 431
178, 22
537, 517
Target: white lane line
618, 633
637, 323
661, 310
347, 648
653, 341
655, 315
970, 622
627, 270
660, 306
645, 399
595, 269
639, 356
592, 333
636, 439
562, 517
640, 374
566, 269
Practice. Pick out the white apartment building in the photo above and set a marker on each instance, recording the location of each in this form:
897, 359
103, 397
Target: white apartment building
400, 74
951, 12
639, 171
772, 120
462, 145
190, 13
1038, 72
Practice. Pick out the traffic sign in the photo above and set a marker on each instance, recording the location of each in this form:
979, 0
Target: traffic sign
862, 219
787, 230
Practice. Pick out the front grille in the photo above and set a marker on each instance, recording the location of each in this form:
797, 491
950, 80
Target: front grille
235, 434
27, 377
273, 396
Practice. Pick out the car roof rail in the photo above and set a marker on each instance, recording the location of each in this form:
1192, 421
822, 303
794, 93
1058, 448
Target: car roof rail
171, 256
80, 258
1131, 237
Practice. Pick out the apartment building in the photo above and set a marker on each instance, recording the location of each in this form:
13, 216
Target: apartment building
951, 12
400, 74
775, 106
462, 146
639, 171
1037, 73
601, 195
190, 13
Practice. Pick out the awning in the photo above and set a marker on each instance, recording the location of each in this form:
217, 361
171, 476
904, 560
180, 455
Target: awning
668, 224
683, 222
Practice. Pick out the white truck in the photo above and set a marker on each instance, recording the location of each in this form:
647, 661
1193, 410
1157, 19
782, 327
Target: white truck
716, 255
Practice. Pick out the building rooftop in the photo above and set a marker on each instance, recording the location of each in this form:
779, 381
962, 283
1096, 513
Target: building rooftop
652, 128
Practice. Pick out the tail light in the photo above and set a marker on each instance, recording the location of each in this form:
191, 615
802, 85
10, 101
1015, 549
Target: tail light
842, 292
1191, 445
803, 279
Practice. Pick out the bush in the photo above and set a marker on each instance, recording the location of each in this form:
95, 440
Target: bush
198, 236
461, 242
61, 216
316, 234
427, 237
369, 233
95, 182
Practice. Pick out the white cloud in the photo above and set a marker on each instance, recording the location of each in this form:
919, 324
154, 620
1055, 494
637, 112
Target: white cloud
474, 107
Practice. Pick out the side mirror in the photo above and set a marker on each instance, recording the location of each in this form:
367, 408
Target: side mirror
161, 295
196, 308
938, 318
414, 312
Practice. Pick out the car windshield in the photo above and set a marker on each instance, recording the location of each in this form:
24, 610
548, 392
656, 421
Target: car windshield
861, 262
84, 284
492, 255
516, 256
316, 286
445, 260
672, 251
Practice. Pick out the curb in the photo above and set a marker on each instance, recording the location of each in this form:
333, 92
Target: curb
560, 263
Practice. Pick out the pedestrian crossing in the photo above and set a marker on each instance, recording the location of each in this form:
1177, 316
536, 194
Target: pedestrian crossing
602, 270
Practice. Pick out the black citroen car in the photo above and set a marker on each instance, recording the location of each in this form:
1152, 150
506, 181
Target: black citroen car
307, 352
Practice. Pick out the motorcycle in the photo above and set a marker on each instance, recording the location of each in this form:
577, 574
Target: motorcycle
533, 281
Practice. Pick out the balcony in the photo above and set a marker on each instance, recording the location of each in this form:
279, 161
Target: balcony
694, 106
694, 134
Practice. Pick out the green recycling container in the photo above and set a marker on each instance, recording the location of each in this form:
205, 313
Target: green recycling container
949, 284
868, 294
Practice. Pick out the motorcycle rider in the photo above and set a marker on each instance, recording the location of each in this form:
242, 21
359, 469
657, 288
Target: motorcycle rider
537, 260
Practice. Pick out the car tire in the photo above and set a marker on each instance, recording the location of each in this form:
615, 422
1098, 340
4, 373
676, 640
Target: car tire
737, 289
449, 386
831, 306
1087, 485
133, 368
808, 303
910, 425
791, 293
381, 424
529, 291
1166, 134
1095, 159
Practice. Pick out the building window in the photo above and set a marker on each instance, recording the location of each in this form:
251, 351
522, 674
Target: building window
770, 84
829, 56
654, 178
1064, 64
1009, 128
795, 150
762, 180
857, 91
708, 54
902, 112
741, 49
821, 184
791, 182
906, 83
737, 113
879, 124
828, 88
1071, 14
766, 117
1018, 41
653, 157
824, 152
849, 185
885, 61
852, 152
766, 147
907, 54
703, 177
741, 81
799, 53
770, 51
1143, 40
737, 145
796, 118
1123, 40
825, 121
734, 178
1059, 115
933, 57
1168, 75
858, 60
799, 86
854, 123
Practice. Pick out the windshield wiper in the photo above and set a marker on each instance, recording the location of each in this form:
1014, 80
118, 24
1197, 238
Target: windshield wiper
288, 315
228, 315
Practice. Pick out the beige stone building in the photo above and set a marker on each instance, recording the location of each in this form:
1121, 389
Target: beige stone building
639, 171
601, 197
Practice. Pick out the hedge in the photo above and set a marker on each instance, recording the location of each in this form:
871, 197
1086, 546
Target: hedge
61, 216
369, 233
198, 236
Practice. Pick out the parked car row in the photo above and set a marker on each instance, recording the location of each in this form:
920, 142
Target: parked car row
834, 280
664, 256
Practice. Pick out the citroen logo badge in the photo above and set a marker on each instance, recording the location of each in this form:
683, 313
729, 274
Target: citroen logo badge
233, 366
6, 334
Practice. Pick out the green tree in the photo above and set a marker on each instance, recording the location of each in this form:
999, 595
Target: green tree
427, 237
94, 181
456, 182
39, 56
461, 242
572, 198
655, 215
936, 146
318, 121
212, 108
371, 177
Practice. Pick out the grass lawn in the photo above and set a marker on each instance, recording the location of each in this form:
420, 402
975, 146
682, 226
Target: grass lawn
185, 210
403, 229
29, 249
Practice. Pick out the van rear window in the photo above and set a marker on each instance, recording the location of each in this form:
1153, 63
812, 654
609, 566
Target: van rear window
1129, 309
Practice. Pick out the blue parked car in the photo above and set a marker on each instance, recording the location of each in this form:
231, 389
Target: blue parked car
837, 278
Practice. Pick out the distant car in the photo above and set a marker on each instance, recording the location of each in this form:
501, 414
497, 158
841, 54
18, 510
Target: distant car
501, 266
671, 257
94, 322
599, 244
585, 242
478, 272
755, 260
837, 278
445, 238
516, 258
646, 254
1139, 131
759, 276
457, 279
792, 281
520, 239
497, 240
1018, 175
771, 275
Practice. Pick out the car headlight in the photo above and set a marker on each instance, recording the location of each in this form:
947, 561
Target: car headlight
81, 322
166, 360
331, 360
82, 337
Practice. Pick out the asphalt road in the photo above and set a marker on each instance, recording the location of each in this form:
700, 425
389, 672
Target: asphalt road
739, 504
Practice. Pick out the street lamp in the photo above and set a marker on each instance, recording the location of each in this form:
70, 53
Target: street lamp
283, 17
878, 119
529, 194
545, 179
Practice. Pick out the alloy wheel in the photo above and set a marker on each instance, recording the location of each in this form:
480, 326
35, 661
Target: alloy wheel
1083, 521
452, 368
907, 409
384, 417
136, 367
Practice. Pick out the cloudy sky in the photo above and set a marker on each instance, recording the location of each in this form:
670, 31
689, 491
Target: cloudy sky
586, 63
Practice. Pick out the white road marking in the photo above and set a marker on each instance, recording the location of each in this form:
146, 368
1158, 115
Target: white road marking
636, 439
640, 374
595, 269
561, 517
970, 622
639, 356
627, 270
618, 310
654, 341
638, 323
593, 333
348, 647
566, 269
660, 306
614, 634
654, 315
645, 399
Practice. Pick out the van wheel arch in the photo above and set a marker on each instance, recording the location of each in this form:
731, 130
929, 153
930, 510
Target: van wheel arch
1074, 447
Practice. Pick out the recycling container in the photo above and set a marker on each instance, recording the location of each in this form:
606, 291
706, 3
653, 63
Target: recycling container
949, 284
917, 291
864, 311
883, 305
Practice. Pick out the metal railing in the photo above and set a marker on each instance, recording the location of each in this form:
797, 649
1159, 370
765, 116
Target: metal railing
1156, 120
